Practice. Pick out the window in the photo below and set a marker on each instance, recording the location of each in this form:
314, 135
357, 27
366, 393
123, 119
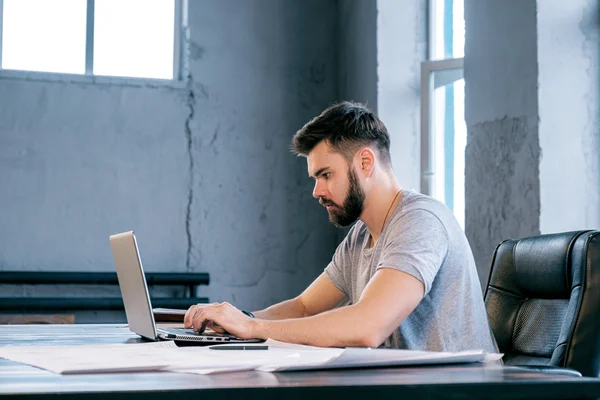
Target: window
128, 38
443, 127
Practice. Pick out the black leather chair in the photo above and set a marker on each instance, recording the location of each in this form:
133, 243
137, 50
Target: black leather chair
543, 301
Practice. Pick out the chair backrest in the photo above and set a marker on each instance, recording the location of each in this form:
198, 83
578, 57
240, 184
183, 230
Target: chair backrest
543, 300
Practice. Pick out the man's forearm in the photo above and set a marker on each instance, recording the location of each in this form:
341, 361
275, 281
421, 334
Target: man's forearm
343, 327
292, 308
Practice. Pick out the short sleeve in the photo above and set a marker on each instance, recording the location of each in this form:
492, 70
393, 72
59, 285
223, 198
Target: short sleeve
416, 243
335, 271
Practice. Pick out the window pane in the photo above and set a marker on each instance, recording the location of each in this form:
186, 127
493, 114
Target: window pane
458, 29
448, 34
42, 35
449, 135
134, 38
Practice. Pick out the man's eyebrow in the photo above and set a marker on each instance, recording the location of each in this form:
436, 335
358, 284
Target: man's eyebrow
319, 172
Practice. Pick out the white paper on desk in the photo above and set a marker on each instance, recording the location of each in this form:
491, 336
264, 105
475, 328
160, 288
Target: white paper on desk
95, 358
155, 356
279, 353
361, 357
201, 360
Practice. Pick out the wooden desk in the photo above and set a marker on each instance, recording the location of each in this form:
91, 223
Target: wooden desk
459, 381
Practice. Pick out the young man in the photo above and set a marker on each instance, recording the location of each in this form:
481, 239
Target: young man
405, 267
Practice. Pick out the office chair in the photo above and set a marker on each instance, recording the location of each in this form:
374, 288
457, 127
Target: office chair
543, 301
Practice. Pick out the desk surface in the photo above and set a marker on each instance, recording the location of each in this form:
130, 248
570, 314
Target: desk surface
467, 380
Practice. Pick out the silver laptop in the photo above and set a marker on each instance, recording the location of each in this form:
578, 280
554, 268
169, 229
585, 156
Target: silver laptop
136, 298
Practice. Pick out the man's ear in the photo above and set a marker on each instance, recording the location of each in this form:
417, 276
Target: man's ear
367, 161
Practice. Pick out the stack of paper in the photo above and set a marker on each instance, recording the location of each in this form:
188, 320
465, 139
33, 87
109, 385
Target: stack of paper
166, 356
365, 357
278, 354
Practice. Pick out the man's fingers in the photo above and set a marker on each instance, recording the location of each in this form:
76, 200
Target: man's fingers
215, 327
203, 327
201, 316
200, 320
196, 321
189, 317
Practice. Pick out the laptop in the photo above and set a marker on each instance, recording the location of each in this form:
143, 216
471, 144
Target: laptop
136, 299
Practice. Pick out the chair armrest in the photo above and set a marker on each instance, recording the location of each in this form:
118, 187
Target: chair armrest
550, 369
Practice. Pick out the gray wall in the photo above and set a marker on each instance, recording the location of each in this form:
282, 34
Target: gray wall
261, 71
531, 80
357, 51
569, 112
502, 153
203, 174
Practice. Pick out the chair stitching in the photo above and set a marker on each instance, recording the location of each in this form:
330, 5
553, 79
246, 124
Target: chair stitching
506, 291
578, 311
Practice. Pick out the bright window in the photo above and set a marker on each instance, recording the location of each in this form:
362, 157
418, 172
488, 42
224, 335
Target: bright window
47, 36
447, 39
128, 38
444, 131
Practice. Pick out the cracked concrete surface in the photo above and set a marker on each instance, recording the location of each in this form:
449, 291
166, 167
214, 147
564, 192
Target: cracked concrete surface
191, 103
502, 191
259, 85
502, 155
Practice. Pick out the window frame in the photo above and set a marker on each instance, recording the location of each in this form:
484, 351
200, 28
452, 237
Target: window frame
428, 85
180, 37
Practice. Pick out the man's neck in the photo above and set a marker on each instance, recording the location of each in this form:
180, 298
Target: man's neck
379, 207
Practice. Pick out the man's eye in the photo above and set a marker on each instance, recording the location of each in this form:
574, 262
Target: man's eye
326, 175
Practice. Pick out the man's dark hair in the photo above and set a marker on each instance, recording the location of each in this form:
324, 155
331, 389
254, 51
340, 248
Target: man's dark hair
347, 126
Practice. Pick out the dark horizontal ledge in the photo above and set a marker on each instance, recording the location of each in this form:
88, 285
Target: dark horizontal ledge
42, 304
152, 278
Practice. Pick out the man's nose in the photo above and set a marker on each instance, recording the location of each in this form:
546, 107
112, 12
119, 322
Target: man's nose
318, 190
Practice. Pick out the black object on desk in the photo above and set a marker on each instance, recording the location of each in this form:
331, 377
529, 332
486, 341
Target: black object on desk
227, 347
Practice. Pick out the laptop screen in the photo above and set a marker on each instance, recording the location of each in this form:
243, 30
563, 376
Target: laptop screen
132, 283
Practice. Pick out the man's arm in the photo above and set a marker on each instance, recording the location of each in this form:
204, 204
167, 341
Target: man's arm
320, 296
388, 298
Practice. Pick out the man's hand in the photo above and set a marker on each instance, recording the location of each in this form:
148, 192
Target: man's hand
221, 317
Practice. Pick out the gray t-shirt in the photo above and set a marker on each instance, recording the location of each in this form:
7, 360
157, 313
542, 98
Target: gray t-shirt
423, 239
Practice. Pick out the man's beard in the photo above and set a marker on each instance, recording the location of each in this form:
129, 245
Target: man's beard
353, 204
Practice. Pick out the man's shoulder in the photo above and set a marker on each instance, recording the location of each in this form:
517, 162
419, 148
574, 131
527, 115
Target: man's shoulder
416, 205
420, 212
413, 200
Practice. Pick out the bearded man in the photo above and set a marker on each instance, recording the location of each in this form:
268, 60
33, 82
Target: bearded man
404, 276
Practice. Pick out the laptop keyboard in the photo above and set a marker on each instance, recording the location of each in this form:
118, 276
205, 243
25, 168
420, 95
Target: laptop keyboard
191, 332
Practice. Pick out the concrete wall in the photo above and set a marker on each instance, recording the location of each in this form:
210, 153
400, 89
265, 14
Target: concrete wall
569, 111
203, 174
502, 155
260, 71
79, 162
357, 51
532, 86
